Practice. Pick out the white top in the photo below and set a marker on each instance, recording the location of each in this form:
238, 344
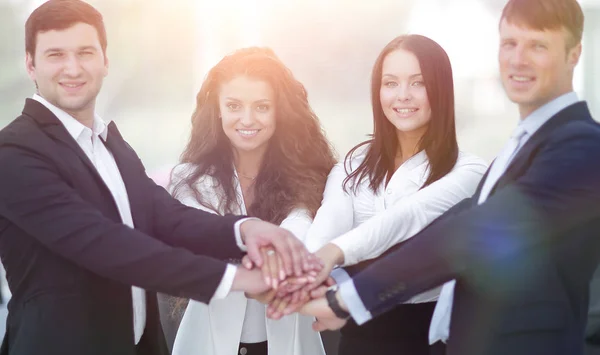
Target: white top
90, 142
219, 327
365, 224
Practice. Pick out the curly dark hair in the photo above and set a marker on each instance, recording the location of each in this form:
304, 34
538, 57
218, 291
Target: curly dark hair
298, 157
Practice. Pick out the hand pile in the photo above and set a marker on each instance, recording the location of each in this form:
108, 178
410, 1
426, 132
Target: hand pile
294, 279
304, 292
289, 293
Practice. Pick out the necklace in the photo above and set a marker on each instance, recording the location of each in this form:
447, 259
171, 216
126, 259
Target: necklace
246, 176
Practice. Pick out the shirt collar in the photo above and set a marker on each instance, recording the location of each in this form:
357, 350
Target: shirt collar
415, 161
74, 127
543, 114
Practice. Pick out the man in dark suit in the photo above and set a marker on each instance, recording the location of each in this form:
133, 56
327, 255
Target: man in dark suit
523, 249
80, 222
592, 331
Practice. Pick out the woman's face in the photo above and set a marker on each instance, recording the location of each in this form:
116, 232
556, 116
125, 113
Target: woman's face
403, 95
247, 108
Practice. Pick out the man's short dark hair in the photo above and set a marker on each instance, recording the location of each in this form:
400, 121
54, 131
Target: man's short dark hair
60, 15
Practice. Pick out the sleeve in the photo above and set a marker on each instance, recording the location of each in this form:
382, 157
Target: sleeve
186, 196
298, 222
558, 193
38, 200
193, 228
410, 215
336, 214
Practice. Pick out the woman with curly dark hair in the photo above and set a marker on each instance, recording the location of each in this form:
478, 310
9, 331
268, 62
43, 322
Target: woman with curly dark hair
256, 148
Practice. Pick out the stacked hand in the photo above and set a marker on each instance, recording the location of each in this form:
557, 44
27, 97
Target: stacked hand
304, 291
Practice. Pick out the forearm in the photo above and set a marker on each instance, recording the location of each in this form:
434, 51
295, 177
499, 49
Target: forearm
250, 281
193, 229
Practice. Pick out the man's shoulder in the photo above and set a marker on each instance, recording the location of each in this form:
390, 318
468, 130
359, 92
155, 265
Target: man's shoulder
574, 123
19, 131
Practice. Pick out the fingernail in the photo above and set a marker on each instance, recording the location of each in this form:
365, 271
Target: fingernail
281, 275
268, 281
311, 279
302, 280
275, 283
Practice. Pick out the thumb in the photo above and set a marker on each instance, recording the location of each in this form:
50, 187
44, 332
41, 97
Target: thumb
318, 326
247, 262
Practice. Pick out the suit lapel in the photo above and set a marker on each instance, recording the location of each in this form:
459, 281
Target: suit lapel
54, 128
131, 170
480, 186
523, 158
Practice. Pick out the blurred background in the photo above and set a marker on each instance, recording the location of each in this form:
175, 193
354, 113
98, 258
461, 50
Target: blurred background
160, 51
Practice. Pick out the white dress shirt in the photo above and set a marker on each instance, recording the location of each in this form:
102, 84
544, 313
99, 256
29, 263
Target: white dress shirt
365, 224
440, 322
219, 327
91, 142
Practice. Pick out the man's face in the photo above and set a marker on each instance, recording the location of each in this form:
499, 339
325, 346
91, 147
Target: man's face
535, 66
69, 68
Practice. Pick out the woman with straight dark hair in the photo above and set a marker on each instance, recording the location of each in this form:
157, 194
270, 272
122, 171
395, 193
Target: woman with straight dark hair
392, 186
257, 149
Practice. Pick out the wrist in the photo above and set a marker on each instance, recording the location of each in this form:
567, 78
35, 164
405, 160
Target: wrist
333, 302
248, 281
340, 301
331, 254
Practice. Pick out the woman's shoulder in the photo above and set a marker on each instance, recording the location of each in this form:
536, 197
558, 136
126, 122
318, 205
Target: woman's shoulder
184, 170
466, 159
352, 162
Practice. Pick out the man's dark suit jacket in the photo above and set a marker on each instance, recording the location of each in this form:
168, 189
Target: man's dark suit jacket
523, 260
70, 261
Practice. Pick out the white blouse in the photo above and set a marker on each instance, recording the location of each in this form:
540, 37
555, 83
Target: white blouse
218, 328
365, 224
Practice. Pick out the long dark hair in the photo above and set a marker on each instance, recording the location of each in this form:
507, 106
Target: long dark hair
298, 158
439, 141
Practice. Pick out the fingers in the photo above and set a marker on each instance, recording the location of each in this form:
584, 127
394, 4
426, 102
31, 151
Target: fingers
266, 268
299, 298
275, 309
265, 297
272, 260
314, 263
273, 306
298, 253
322, 276
287, 287
330, 281
283, 249
254, 254
318, 292
247, 262
281, 268
282, 305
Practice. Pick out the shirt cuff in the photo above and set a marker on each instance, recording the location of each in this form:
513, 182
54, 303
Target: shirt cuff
346, 243
226, 283
238, 232
355, 305
339, 275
